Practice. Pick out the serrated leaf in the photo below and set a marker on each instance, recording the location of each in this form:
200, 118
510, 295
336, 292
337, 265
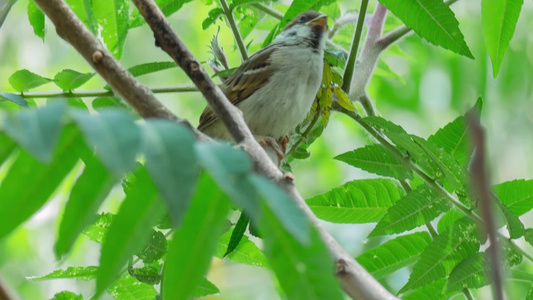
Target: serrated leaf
417, 208
112, 17
36, 17
358, 201
147, 274
114, 135
37, 130
453, 138
172, 163
67, 295
69, 80
335, 57
517, 195
433, 20
376, 159
193, 244
79, 273
86, 196
444, 253
394, 254
29, 183
303, 271
147, 68
290, 216
246, 251
131, 227
24, 80
343, 99
237, 233
433, 291
84, 10
129, 288
14, 98
473, 272
514, 225
98, 229
498, 20
448, 219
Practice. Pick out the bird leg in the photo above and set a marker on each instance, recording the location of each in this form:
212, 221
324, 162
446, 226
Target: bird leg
272, 143
283, 143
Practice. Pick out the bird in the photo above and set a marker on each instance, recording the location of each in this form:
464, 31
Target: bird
276, 87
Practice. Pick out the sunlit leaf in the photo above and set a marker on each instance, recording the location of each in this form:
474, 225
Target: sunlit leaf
246, 251
24, 80
433, 291
168, 7
358, 201
498, 20
394, 254
79, 273
69, 80
343, 99
67, 295
376, 159
433, 20
112, 17
36, 17
129, 288
517, 195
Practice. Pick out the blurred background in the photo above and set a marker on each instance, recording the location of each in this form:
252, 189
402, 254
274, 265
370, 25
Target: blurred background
422, 89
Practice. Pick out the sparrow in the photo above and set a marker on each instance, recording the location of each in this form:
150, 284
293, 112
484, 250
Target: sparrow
276, 87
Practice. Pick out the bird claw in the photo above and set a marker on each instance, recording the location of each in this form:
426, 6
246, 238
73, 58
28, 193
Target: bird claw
272, 143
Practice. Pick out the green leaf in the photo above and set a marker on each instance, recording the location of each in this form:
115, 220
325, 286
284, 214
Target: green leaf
69, 80
129, 288
84, 10
204, 288
303, 271
112, 17
528, 236
433, 291
394, 254
193, 244
212, 17
417, 208
224, 73
230, 168
498, 20
36, 17
433, 20
473, 273
29, 183
7, 146
385, 71
444, 253
454, 174
517, 195
171, 162
299, 6
131, 228
453, 138
246, 251
24, 80
79, 273
67, 295
290, 216
237, 233
376, 159
14, 98
37, 131
514, 226
115, 136
168, 7
103, 103
343, 99
147, 274
86, 196
154, 249
358, 201
147, 68
98, 229
448, 219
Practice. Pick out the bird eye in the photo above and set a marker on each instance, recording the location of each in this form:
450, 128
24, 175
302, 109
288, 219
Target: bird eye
303, 18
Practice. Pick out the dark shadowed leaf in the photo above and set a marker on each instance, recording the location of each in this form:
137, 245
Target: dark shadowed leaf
246, 251
154, 249
67, 295
14, 98
237, 233
194, 243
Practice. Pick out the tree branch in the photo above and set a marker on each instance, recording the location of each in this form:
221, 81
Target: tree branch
480, 183
236, 33
71, 29
356, 281
350, 63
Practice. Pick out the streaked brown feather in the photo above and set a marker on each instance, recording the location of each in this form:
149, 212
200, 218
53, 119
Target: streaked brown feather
249, 77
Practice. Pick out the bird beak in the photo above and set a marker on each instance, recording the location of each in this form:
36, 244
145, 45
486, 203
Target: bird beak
320, 21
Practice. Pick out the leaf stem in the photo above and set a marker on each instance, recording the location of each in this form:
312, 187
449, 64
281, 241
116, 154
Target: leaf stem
268, 10
350, 64
407, 188
105, 93
234, 28
468, 294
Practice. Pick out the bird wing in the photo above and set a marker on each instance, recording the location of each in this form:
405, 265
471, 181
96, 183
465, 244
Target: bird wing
248, 78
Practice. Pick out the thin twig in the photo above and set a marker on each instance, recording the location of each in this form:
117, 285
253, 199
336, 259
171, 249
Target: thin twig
268, 10
480, 183
105, 93
350, 64
468, 294
234, 28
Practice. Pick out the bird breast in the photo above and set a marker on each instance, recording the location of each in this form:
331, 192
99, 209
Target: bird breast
284, 102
